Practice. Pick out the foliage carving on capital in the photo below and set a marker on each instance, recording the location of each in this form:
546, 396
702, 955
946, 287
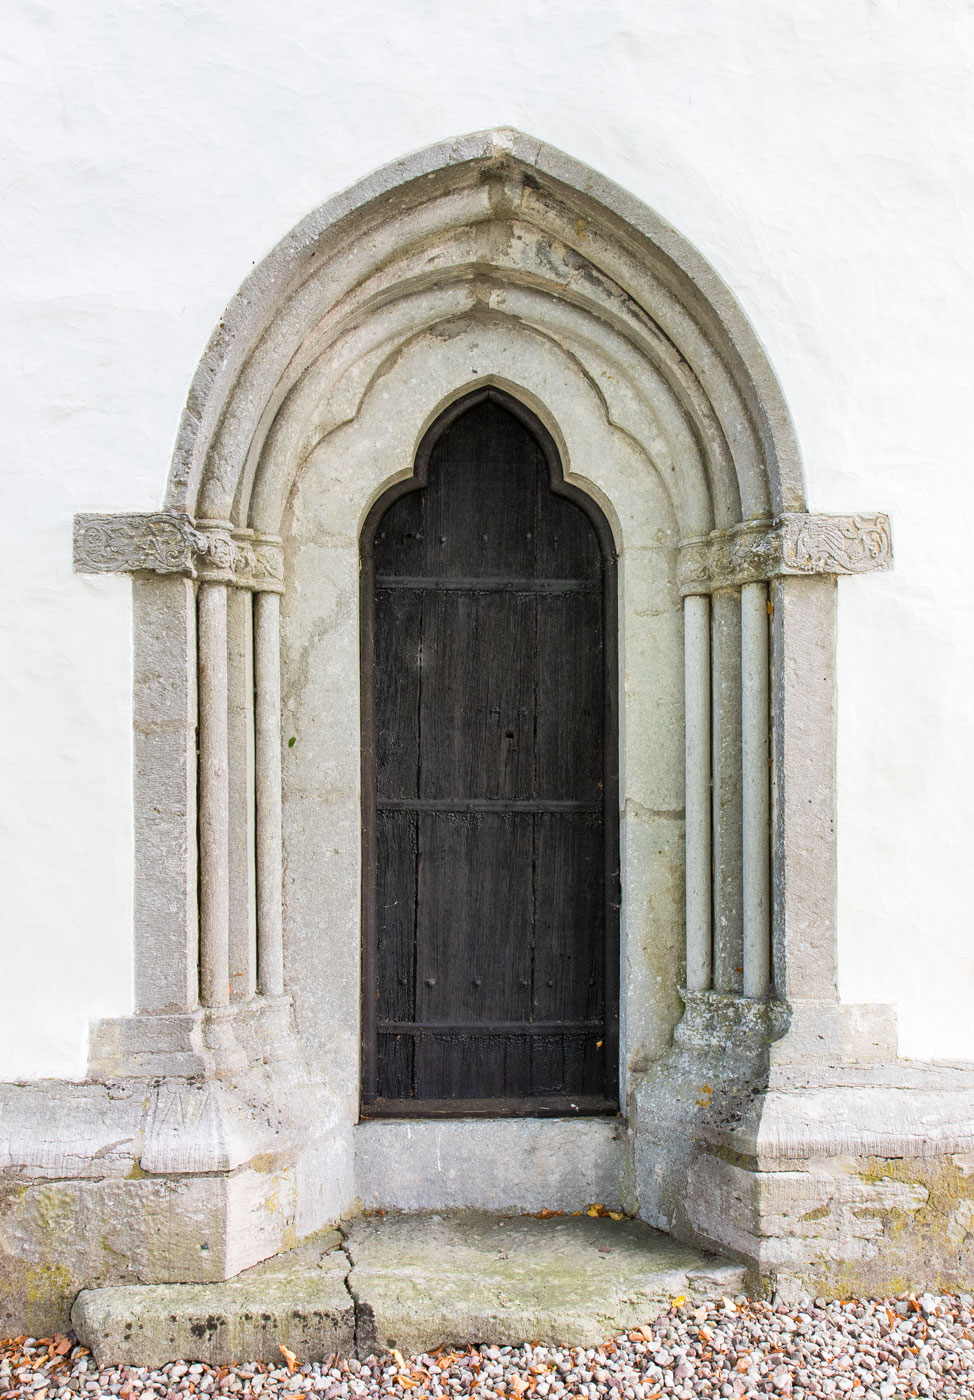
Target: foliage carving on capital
693, 566
171, 543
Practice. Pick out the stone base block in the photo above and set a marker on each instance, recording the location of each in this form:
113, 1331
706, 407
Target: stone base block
423, 1280
854, 1175
158, 1181
843, 1225
413, 1282
521, 1164
300, 1300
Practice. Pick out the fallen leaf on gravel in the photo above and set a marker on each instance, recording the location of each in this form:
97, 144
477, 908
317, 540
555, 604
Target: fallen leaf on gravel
289, 1357
679, 1300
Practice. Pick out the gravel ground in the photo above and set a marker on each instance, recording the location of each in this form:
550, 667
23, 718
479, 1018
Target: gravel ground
884, 1350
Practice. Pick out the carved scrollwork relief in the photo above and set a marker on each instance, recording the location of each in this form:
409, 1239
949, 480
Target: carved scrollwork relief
835, 544
121, 544
176, 544
792, 544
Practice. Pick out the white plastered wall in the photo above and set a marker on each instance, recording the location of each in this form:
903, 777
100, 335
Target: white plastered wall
818, 156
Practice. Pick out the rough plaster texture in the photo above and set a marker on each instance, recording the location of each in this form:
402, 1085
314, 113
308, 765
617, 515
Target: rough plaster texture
818, 157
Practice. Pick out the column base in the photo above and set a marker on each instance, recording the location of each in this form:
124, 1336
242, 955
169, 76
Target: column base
845, 1171
200, 1145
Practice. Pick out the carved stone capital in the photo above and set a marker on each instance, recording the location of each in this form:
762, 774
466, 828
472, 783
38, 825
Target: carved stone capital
171, 543
258, 562
793, 544
835, 544
125, 544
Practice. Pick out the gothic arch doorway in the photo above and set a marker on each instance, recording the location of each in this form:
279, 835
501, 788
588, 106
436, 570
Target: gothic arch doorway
491, 871
490, 260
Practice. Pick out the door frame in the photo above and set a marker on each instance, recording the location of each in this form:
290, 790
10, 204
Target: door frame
526, 1107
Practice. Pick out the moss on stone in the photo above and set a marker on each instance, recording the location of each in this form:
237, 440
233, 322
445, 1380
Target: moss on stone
929, 1247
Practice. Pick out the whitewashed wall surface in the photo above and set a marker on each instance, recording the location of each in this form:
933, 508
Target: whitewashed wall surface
819, 155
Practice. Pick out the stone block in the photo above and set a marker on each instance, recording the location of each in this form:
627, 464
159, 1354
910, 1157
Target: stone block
421, 1281
523, 1164
300, 1301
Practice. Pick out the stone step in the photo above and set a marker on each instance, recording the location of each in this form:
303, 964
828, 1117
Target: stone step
411, 1282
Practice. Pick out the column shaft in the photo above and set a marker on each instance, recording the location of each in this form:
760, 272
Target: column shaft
214, 800
725, 723
267, 674
803, 629
696, 621
165, 709
756, 853
240, 682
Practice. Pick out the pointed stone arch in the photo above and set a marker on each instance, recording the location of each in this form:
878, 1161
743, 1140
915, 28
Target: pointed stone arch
536, 237
490, 260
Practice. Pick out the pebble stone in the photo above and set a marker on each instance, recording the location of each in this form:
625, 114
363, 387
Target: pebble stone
888, 1349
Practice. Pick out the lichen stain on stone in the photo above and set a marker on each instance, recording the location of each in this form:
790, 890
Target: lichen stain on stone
54, 1211
47, 1282
819, 1214
36, 1295
929, 1245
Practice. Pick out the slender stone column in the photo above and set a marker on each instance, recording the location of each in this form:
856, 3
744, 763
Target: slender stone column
267, 673
696, 623
240, 682
214, 797
756, 852
725, 627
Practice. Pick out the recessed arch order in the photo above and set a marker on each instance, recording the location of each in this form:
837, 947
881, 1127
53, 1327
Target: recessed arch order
500, 227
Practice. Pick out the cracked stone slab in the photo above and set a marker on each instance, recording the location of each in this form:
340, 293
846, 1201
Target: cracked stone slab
299, 1298
420, 1281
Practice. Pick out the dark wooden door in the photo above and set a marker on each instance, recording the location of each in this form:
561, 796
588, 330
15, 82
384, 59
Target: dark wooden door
491, 824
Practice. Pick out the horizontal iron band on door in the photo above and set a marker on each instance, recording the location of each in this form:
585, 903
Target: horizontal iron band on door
492, 1028
484, 804
489, 585
544, 1106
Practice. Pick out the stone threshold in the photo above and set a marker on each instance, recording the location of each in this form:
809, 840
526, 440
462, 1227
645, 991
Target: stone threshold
411, 1282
